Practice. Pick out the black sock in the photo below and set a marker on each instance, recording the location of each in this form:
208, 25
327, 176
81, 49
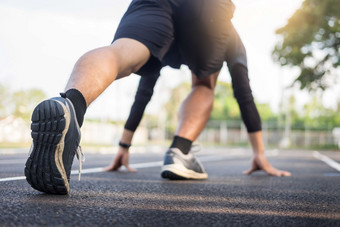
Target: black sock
79, 104
181, 143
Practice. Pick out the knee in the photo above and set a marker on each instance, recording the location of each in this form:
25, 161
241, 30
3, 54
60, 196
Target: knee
206, 83
207, 87
204, 89
130, 54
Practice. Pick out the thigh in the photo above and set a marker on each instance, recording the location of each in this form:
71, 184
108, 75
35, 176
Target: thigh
203, 34
149, 22
130, 55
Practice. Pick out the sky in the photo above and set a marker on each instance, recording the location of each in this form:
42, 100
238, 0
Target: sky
41, 40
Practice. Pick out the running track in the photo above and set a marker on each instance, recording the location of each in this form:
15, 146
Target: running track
309, 198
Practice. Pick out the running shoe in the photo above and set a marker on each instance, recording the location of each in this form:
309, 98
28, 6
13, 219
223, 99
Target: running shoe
179, 166
56, 137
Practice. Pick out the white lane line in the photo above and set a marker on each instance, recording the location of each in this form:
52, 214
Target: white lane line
12, 178
135, 166
146, 165
149, 164
327, 160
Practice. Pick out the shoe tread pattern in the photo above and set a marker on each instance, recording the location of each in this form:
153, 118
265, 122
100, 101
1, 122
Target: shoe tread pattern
172, 176
48, 123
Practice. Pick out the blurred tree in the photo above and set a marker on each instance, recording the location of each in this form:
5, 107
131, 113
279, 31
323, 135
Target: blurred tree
311, 41
291, 115
24, 102
225, 105
266, 112
5, 100
171, 107
316, 116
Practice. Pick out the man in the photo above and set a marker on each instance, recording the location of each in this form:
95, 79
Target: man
237, 63
144, 37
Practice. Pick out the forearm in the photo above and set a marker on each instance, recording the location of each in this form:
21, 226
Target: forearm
127, 136
249, 112
256, 142
259, 161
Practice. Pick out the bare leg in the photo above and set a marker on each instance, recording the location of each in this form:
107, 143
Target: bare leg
92, 74
195, 110
97, 69
179, 162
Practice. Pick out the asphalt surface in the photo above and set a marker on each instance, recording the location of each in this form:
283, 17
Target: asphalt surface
310, 197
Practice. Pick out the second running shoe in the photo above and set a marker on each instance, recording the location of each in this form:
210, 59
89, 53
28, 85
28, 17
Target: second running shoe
179, 166
56, 137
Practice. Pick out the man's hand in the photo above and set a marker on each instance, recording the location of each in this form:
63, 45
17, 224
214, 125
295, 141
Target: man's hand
260, 162
121, 159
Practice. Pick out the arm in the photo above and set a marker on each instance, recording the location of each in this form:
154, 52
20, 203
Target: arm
122, 157
260, 161
237, 63
142, 98
251, 118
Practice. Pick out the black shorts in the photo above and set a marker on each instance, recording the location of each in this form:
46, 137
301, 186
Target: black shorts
236, 52
196, 32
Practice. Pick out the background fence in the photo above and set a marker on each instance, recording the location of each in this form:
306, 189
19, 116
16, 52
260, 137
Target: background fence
217, 132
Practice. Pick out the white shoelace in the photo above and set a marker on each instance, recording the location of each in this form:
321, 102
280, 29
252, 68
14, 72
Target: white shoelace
79, 153
81, 159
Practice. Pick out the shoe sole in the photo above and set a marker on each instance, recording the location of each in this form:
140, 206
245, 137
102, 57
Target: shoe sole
44, 169
179, 172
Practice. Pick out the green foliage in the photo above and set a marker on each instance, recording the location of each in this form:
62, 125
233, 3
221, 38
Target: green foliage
171, 107
24, 102
311, 41
316, 116
313, 116
19, 103
151, 121
5, 97
266, 112
225, 105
